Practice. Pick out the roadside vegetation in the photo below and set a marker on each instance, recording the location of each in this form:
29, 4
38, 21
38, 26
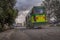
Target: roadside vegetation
53, 11
7, 13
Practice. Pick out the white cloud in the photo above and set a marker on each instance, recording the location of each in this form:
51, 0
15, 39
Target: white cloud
26, 4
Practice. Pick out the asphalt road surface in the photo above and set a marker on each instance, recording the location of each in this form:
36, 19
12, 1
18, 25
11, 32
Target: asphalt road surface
32, 34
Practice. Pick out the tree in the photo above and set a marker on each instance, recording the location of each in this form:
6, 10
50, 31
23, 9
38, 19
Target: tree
7, 12
53, 9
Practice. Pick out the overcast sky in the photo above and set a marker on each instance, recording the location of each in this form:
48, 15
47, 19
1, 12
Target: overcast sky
26, 4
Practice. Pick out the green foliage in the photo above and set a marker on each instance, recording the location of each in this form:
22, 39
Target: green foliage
7, 12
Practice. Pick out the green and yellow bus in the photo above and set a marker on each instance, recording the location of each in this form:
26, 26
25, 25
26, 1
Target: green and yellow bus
36, 17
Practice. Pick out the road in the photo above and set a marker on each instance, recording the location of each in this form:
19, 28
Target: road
32, 34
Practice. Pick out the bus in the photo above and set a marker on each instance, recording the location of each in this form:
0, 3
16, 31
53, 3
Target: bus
36, 17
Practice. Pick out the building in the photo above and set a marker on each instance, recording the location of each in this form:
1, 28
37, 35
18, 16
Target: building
20, 20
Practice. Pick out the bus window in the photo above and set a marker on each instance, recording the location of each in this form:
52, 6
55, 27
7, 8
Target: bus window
39, 11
